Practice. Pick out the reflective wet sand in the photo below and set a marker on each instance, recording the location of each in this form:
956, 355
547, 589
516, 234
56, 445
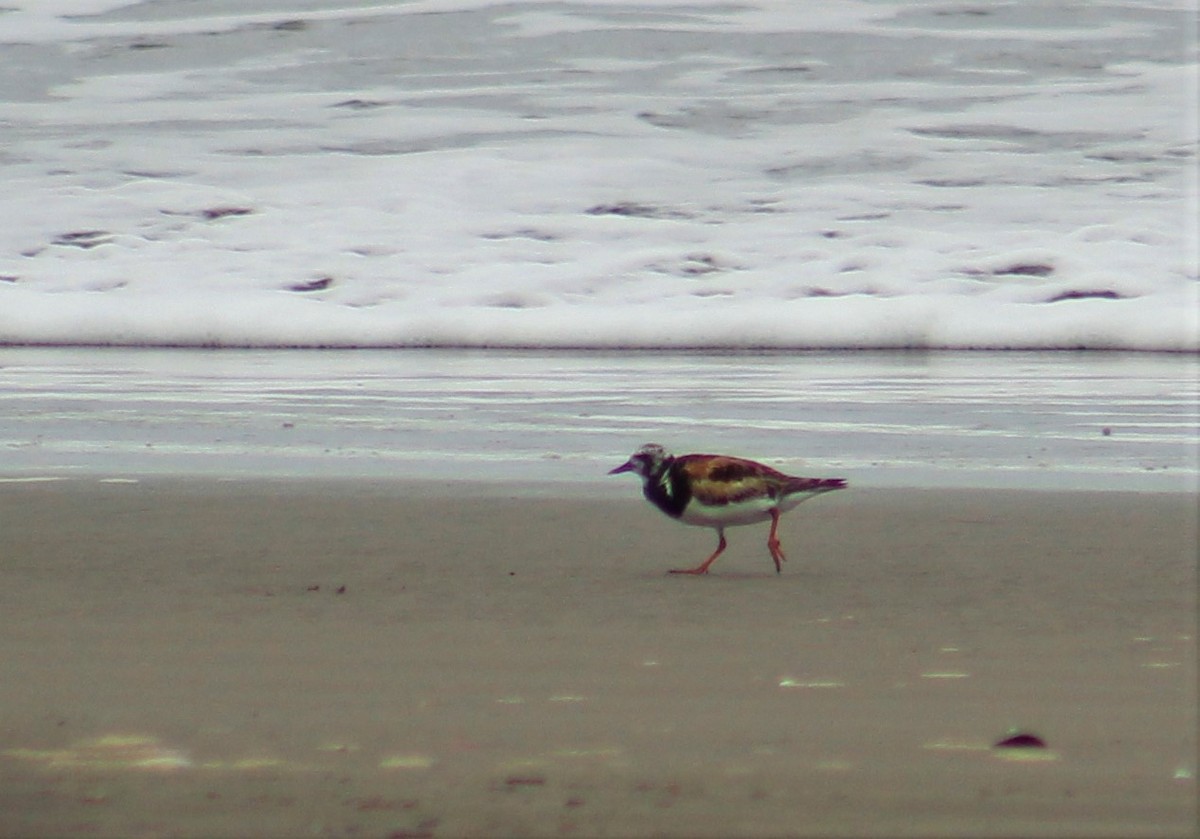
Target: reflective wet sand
219, 658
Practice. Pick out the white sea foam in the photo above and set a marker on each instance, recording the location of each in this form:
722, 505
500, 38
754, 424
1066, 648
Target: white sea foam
598, 174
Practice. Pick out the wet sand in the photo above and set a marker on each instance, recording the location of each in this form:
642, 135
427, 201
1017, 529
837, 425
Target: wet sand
258, 658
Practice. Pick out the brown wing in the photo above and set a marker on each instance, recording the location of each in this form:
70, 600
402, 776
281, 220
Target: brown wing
719, 479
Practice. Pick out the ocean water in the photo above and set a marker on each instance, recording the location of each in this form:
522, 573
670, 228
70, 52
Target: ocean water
599, 175
538, 421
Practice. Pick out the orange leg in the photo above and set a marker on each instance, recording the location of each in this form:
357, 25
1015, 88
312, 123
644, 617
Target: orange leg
702, 568
773, 544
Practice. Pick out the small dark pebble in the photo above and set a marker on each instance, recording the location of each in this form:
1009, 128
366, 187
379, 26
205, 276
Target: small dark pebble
85, 239
633, 209
624, 209
358, 104
214, 213
1033, 269
313, 588
319, 284
524, 780
1077, 294
1023, 740
423, 830
341, 590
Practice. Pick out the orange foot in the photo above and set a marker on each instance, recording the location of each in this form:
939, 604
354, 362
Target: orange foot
702, 568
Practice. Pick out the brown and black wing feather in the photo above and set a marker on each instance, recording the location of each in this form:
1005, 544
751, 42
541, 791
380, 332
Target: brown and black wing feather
720, 479
717, 480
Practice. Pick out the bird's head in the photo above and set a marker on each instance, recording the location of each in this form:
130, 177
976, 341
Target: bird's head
647, 461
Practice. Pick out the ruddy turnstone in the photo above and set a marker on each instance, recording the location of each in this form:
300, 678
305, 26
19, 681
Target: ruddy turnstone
718, 491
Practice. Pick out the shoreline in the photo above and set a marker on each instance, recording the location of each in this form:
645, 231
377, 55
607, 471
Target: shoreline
1077, 421
220, 658
753, 350
608, 491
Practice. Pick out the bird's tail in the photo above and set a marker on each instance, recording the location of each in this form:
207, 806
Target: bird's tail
815, 485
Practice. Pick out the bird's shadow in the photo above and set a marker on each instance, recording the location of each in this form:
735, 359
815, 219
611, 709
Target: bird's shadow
712, 576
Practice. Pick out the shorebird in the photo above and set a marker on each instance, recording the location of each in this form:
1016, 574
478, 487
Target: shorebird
719, 491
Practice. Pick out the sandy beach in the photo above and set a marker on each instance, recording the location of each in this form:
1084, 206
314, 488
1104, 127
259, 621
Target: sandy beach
353, 658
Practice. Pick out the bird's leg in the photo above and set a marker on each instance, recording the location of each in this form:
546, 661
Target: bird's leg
702, 568
773, 544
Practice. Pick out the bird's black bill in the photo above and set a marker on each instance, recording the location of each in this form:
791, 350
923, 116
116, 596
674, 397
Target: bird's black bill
624, 467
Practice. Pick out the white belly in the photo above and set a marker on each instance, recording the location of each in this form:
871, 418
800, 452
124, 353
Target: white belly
750, 511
